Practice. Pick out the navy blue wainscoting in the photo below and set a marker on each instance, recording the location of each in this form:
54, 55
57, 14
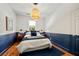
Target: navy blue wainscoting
67, 41
6, 41
77, 44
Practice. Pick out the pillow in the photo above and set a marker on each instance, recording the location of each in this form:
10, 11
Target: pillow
38, 34
33, 33
28, 33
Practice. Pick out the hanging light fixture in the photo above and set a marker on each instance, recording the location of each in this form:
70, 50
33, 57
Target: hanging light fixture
35, 12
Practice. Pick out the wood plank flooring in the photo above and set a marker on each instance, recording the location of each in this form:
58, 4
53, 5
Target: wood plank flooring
62, 50
12, 51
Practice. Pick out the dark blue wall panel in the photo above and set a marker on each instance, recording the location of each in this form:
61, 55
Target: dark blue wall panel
77, 44
66, 41
7, 40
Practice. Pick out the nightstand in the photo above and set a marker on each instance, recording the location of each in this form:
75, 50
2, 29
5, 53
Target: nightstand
20, 36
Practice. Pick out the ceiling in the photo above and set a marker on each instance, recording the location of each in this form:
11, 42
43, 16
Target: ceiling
25, 8
46, 9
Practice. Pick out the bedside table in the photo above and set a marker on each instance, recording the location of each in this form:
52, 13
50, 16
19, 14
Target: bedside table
20, 36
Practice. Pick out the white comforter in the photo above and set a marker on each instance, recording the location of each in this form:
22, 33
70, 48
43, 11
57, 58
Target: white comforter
32, 45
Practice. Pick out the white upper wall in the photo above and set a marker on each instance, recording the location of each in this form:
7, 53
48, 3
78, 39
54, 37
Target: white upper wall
75, 22
5, 10
22, 22
63, 20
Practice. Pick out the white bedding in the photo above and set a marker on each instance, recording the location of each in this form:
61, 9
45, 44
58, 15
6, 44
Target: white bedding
32, 45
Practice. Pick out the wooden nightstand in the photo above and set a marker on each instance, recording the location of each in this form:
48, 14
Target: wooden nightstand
20, 36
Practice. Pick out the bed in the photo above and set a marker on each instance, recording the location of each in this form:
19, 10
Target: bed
32, 46
33, 43
38, 47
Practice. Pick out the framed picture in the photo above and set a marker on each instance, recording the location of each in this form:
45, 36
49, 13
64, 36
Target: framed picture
9, 24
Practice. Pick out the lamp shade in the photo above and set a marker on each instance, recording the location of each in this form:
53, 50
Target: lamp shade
35, 14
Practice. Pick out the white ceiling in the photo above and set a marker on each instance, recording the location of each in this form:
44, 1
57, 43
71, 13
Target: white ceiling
46, 9
25, 8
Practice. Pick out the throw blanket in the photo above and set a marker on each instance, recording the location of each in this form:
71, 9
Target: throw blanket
32, 45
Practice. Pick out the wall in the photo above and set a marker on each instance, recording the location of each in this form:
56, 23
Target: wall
63, 20
75, 19
23, 23
5, 10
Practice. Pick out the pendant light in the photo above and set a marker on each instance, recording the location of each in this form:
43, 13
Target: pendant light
35, 12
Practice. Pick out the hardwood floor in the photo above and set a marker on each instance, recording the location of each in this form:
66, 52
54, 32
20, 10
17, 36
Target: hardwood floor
62, 50
12, 51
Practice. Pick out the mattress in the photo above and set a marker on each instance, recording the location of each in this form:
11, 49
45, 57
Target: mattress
32, 45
